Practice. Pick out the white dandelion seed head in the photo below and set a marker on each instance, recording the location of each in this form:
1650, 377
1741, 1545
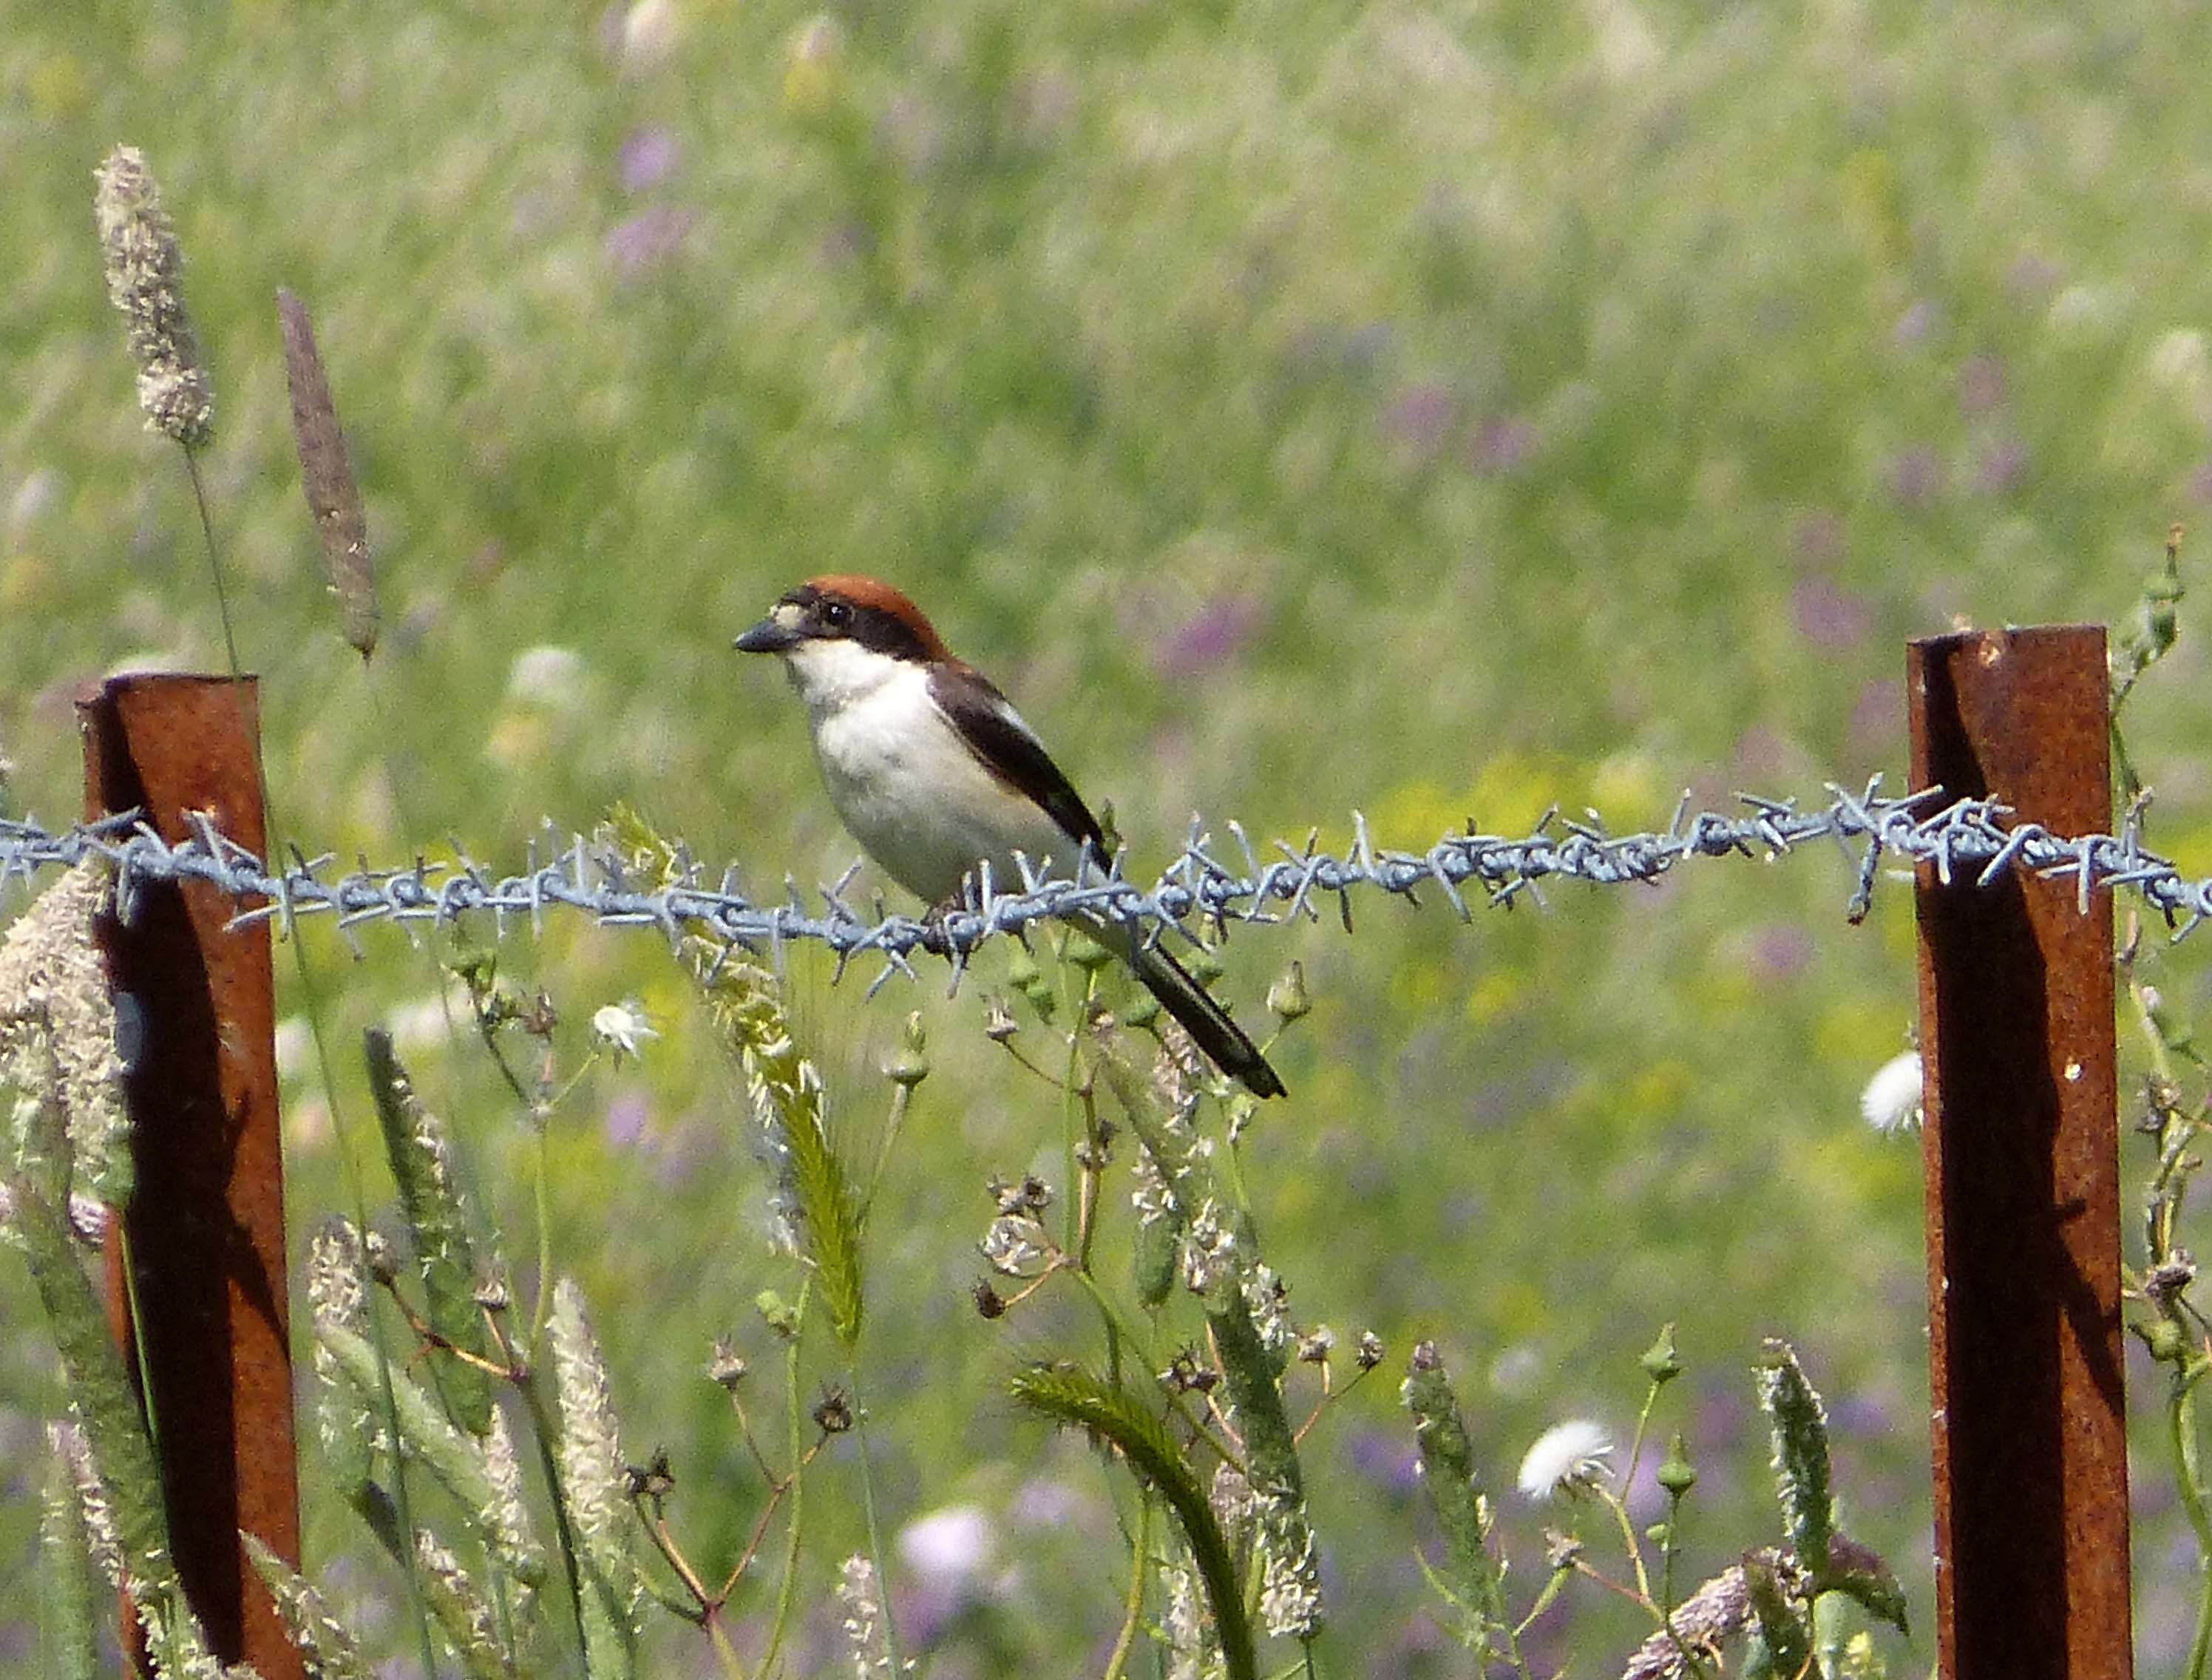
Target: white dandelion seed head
1567, 1458
622, 1027
1891, 1100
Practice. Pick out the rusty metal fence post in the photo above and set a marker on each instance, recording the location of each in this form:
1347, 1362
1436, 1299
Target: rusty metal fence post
206, 1222
2021, 1153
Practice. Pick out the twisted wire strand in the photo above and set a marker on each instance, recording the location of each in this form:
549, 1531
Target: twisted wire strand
1966, 838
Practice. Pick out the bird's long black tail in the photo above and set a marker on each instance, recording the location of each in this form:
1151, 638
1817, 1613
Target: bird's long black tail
1225, 1043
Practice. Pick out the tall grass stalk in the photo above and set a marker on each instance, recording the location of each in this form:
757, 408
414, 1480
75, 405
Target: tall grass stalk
144, 265
786, 1585
876, 1552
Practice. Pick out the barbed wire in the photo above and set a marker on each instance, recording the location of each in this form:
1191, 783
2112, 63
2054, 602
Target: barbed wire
593, 876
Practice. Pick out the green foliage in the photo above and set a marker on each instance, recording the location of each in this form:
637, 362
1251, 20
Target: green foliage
463, 1615
1780, 1644
99, 1387
1112, 1416
2149, 639
744, 1004
1153, 1253
594, 1492
1249, 1373
1800, 1425
328, 1648
1471, 1579
1776, 1602
1858, 1574
415, 1143
457, 1460
829, 1214
133, 1522
69, 1646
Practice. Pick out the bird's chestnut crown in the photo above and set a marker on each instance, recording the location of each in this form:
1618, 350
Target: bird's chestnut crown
847, 608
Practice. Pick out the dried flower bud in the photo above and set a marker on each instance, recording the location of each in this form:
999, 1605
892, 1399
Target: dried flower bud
1316, 1345
383, 1263
728, 1365
998, 1022
492, 1293
2170, 1277
1369, 1353
832, 1412
1008, 1247
1186, 1374
538, 1018
145, 269
989, 1304
1030, 1196
656, 1480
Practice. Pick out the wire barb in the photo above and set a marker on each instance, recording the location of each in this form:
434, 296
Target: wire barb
1968, 839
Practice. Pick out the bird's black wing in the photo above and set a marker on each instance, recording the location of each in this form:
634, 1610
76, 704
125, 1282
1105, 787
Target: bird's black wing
1009, 749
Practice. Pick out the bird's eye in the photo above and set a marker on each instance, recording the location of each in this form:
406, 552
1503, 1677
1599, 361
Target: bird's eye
836, 615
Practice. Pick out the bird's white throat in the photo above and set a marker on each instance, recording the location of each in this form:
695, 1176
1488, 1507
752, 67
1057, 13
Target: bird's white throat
831, 676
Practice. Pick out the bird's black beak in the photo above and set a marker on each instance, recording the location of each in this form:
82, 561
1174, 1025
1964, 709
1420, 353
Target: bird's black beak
771, 636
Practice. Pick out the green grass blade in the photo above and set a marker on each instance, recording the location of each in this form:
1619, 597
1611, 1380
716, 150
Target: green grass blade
749, 1015
1113, 1417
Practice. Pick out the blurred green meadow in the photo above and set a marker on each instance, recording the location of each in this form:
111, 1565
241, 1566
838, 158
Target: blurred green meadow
1444, 411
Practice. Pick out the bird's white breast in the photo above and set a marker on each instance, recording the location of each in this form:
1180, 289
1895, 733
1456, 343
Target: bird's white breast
904, 782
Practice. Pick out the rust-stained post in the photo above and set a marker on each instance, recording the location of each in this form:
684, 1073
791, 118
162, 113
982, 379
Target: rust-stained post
206, 1221
2021, 1153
